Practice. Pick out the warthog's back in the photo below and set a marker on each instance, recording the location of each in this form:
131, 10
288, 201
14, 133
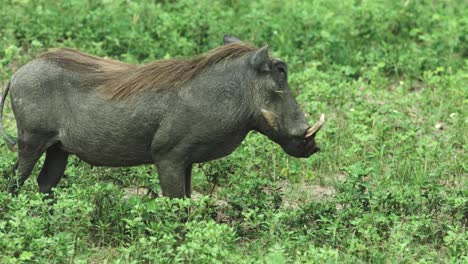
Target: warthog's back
55, 101
38, 89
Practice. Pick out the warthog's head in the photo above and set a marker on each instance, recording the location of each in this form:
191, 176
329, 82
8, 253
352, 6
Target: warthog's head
277, 113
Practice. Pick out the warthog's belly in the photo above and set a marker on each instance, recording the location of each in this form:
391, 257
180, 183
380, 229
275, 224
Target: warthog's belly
104, 159
108, 149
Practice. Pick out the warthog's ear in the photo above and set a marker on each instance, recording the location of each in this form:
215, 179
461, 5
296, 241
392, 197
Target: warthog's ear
228, 39
260, 60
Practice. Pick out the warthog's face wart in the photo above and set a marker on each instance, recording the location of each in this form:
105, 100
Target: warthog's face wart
280, 117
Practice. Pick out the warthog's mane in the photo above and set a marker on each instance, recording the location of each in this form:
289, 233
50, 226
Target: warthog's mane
117, 80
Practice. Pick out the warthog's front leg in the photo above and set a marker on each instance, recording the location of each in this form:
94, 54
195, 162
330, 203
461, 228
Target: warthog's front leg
188, 181
172, 178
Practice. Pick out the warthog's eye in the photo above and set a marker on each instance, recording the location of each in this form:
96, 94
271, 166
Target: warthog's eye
282, 70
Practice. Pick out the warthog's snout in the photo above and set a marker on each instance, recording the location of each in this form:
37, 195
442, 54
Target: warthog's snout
300, 142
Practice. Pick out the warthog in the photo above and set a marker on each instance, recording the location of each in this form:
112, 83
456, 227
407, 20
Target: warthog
171, 113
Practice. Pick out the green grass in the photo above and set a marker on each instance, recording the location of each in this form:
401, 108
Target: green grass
389, 185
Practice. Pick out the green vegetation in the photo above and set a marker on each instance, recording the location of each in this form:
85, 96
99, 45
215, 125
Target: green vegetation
389, 185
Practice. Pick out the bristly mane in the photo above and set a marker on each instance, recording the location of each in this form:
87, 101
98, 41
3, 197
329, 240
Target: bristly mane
117, 80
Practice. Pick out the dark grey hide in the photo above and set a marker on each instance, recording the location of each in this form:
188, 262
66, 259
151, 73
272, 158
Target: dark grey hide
173, 128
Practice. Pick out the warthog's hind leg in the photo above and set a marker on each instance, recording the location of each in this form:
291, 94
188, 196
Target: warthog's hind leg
30, 149
53, 169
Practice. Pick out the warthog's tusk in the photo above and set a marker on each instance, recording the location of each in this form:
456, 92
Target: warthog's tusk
316, 127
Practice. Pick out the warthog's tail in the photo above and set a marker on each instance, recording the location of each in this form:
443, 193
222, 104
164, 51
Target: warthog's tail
11, 144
